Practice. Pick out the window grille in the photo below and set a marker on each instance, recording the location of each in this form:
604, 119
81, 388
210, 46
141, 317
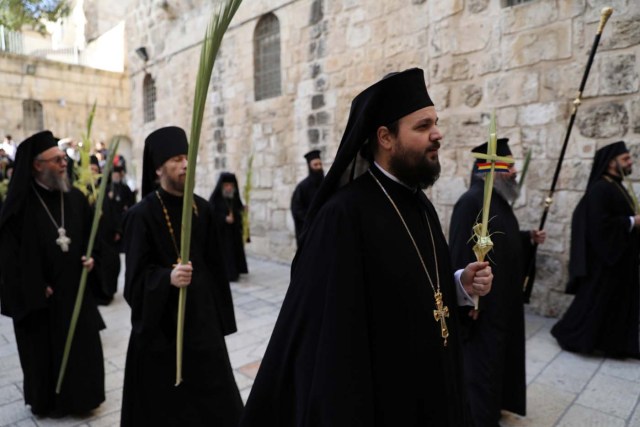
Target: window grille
149, 98
266, 43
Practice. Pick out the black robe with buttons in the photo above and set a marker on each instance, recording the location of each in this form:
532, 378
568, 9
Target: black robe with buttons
356, 342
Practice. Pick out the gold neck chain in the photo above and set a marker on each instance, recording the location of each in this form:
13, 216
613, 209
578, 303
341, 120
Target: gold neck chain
169, 226
441, 311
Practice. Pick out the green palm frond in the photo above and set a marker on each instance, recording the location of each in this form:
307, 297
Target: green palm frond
210, 47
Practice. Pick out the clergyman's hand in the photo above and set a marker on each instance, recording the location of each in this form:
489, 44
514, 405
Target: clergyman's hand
476, 278
538, 236
48, 291
181, 275
87, 263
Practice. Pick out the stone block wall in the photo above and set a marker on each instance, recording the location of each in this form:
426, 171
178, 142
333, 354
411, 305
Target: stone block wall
524, 62
67, 93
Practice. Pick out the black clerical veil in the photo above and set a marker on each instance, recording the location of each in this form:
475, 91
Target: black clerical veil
216, 195
22, 172
160, 146
579, 220
393, 97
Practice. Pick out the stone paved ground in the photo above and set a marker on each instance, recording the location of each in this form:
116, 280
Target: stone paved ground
564, 389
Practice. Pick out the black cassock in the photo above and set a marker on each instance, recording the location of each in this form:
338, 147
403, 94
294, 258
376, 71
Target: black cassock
301, 200
208, 394
604, 256
494, 344
107, 267
30, 260
230, 234
356, 342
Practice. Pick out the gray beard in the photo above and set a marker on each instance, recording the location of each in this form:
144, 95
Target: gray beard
54, 181
508, 189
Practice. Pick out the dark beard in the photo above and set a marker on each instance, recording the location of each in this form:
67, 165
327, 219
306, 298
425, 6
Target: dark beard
507, 188
316, 176
422, 174
54, 181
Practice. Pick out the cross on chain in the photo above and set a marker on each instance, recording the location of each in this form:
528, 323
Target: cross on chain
63, 241
440, 313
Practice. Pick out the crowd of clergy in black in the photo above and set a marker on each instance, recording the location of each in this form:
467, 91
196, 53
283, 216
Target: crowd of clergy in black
374, 287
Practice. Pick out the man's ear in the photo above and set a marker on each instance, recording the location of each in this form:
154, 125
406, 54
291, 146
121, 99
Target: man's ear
37, 166
385, 138
159, 172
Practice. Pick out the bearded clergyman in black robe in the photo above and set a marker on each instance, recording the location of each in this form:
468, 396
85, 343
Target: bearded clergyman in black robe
208, 395
44, 230
493, 337
229, 212
603, 268
305, 191
368, 334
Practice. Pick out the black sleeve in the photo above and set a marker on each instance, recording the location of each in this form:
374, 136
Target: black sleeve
147, 285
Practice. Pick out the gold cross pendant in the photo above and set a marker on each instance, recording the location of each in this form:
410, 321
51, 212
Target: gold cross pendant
440, 313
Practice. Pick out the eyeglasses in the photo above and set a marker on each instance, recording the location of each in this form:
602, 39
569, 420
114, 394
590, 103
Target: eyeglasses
57, 159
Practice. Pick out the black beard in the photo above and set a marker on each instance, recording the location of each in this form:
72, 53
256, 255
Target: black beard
54, 181
422, 174
316, 175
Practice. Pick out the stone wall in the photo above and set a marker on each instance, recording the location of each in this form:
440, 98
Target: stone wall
524, 62
67, 93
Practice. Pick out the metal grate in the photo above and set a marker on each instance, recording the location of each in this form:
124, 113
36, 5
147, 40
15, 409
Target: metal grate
149, 98
32, 115
266, 43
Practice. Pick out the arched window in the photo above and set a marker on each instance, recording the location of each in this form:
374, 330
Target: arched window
32, 115
266, 59
149, 98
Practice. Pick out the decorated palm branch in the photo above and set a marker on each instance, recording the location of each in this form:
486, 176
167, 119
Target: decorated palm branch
246, 230
211, 44
85, 180
492, 164
85, 272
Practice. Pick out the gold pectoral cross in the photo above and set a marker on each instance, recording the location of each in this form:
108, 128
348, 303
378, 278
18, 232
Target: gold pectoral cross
440, 313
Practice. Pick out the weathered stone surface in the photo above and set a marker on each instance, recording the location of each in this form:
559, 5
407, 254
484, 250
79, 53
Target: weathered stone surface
359, 30
516, 19
531, 47
621, 33
537, 114
512, 88
479, 28
472, 95
477, 6
603, 120
635, 116
443, 9
450, 69
619, 75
